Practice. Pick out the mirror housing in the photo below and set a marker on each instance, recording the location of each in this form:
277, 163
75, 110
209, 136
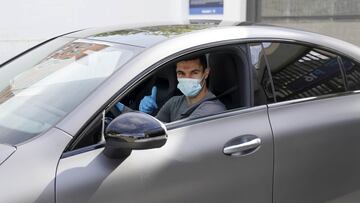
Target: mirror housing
133, 130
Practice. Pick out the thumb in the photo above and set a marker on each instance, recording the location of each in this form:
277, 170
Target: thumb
154, 92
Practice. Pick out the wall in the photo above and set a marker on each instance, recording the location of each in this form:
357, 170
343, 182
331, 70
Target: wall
337, 18
25, 23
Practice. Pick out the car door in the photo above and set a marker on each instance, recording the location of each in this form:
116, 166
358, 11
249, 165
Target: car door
315, 126
190, 167
219, 158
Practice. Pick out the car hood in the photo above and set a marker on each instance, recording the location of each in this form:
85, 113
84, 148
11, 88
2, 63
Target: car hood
5, 152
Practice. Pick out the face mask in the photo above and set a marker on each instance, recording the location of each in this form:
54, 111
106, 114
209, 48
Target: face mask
190, 87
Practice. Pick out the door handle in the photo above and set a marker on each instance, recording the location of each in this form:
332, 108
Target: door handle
242, 145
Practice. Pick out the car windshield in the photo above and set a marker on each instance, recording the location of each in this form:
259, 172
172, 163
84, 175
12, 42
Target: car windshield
34, 98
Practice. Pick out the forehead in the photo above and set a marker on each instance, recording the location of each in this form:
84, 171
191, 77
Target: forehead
189, 64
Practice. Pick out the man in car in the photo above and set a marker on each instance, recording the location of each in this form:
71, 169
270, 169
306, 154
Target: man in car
197, 100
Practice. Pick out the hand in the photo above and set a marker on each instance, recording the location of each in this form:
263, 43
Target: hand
120, 106
148, 103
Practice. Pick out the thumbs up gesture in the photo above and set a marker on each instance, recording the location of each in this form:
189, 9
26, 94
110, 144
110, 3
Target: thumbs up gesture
148, 103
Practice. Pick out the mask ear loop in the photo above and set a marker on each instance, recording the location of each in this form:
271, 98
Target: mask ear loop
203, 80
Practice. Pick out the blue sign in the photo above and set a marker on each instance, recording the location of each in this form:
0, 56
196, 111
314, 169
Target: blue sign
206, 7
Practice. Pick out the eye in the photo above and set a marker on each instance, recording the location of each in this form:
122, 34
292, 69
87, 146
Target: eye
195, 72
179, 73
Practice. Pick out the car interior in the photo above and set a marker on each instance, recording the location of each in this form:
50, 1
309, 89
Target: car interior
228, 80
300, 71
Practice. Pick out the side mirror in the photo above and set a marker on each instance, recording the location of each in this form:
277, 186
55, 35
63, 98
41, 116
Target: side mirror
133, 130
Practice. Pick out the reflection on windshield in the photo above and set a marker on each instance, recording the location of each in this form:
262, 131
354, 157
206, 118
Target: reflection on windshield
37, 98
43, 74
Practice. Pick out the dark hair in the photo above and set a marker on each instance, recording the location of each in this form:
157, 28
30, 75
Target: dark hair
202, 59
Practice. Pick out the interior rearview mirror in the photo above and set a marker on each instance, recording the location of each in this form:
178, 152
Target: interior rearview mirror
133, 131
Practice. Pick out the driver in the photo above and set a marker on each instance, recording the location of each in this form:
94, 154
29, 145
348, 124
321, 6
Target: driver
197, 100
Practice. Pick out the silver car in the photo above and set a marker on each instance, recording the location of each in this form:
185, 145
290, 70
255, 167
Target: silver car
290, 132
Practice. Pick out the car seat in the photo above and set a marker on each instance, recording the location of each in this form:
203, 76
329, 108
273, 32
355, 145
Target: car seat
226, 76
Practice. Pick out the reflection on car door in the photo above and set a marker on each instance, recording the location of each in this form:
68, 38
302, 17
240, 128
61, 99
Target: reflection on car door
190, 167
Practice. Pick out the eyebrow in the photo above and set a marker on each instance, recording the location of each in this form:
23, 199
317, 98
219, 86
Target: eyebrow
196, 70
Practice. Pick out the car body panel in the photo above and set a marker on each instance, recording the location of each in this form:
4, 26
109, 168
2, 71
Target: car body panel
317, 158
190, 167
5, 152
29, 174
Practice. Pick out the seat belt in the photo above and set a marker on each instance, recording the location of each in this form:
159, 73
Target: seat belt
189, 111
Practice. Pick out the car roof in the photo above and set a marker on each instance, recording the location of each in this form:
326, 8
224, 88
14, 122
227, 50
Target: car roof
143, 36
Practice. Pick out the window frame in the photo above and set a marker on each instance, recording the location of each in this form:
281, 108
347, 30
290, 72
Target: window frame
339, 57
142, 77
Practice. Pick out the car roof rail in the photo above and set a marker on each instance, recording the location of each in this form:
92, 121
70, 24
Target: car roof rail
246, 23
249, 23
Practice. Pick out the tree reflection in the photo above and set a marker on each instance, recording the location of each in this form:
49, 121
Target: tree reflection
166, 31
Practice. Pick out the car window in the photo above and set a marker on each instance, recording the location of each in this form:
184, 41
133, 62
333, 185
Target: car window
299, 71
352, 70
262, 86
35, 97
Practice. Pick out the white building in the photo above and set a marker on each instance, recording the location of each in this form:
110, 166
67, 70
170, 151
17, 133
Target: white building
26, 23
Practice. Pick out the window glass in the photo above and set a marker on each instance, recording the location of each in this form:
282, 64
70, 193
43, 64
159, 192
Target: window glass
262, 87
299, 71
352, 70
35, 97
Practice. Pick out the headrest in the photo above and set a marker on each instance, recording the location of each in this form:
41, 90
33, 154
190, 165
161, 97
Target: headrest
224, 75
223, 72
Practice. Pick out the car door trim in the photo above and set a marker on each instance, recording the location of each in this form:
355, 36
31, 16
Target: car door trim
307, 99
228, 113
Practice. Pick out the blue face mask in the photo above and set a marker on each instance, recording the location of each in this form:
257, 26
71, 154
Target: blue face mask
190, 87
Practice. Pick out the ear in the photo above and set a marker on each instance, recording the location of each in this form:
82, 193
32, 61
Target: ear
206, 72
